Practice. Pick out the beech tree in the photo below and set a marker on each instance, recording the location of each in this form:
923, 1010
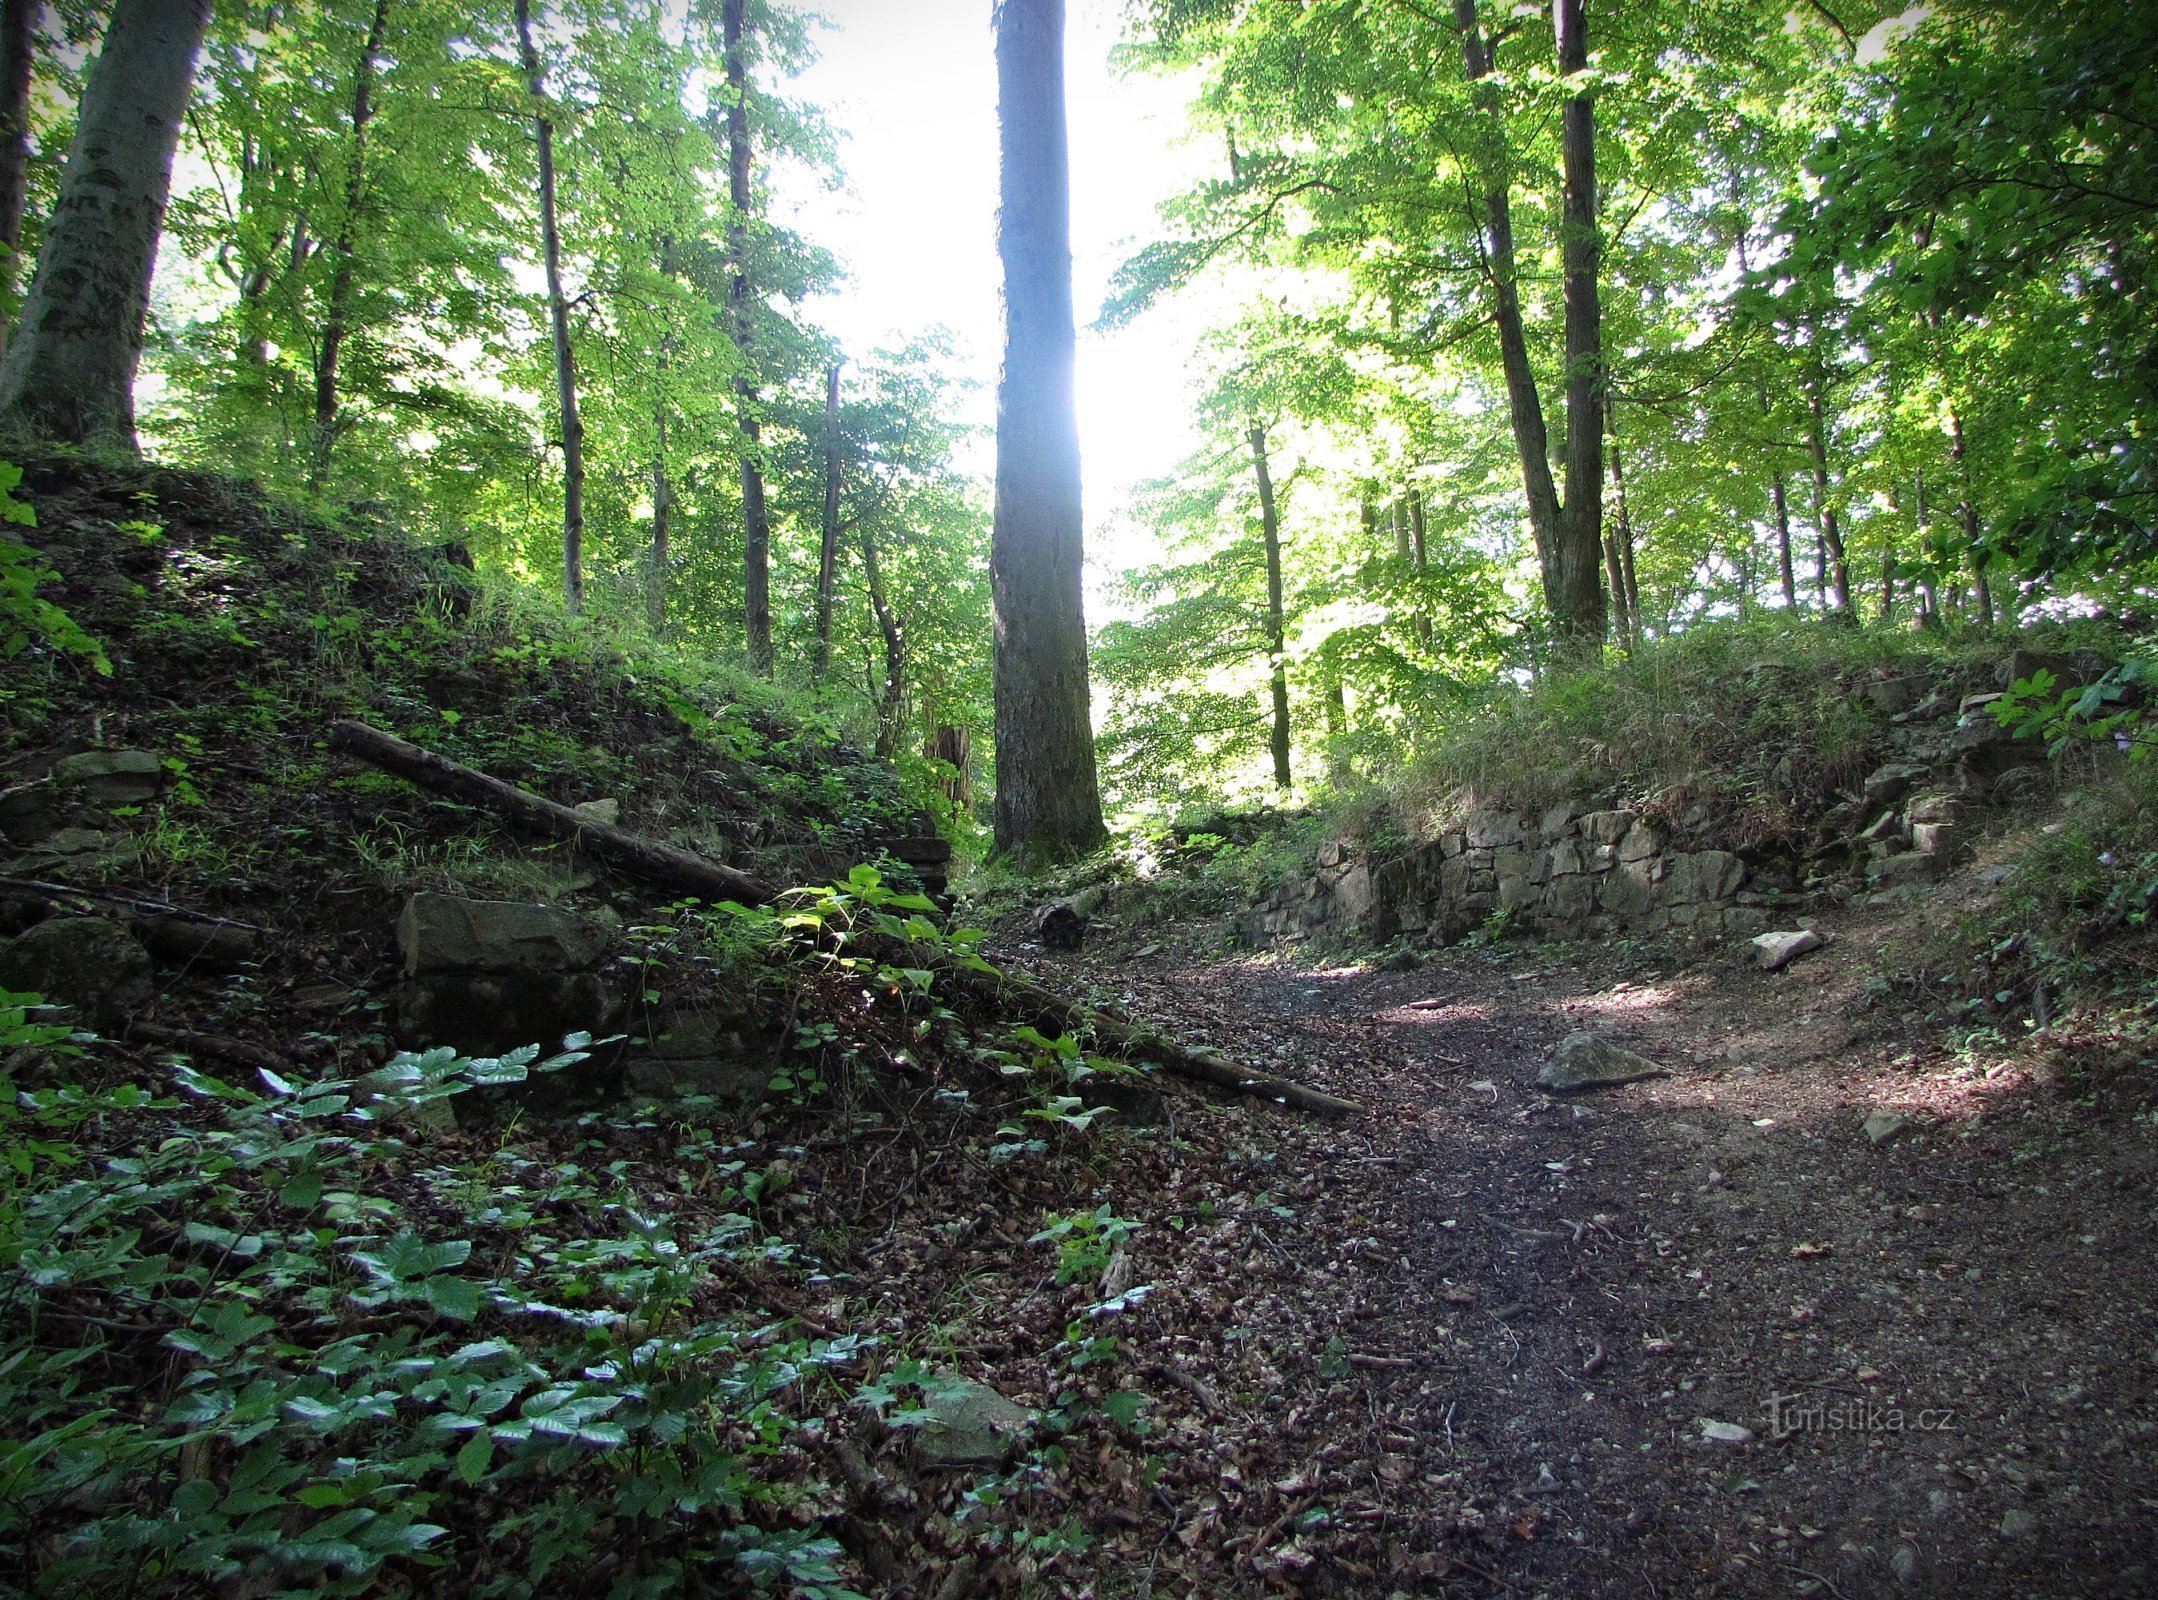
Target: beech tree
756, 519
1048, 803
70, 373
565, 358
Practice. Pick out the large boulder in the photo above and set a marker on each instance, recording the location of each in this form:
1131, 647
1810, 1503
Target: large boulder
1591, 1061
87, 963
969, 1424
484, 976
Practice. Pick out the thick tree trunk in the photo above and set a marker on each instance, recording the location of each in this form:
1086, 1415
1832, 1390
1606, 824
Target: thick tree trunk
828, 550
1780, 497
70, 373
338, 318
892, 692
1571, 570
565, 358
1582, 620
756, 519
1048, 792
18, 55
1277, 646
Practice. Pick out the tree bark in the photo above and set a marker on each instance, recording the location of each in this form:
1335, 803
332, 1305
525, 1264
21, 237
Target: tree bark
756, 518
1615, 576
18, 56
954, 746
1569, 534
1967, 512
1048, 804
892, 692
655, 592
1583, 621
1419, 562
1836, 568
828, 550
565, 358
1277, 647
1524, 405
1618, 544
1780, 497
70, 373
337, 320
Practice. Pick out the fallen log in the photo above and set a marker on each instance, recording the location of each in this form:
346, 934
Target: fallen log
647, 858
686, 873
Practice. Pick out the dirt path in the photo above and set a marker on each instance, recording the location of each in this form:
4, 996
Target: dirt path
1475, 1341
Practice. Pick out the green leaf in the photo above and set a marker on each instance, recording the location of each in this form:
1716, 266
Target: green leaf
456, 1298
474, 1458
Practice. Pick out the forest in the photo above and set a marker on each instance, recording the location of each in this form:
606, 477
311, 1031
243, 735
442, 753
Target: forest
647, 950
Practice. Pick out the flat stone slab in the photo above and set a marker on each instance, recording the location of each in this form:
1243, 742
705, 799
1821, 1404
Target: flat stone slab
112, 777
447, 933
1775, 951
1590, 1061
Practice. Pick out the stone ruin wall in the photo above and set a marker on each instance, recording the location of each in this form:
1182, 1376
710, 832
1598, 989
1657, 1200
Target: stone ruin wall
1566, 875
1945, 766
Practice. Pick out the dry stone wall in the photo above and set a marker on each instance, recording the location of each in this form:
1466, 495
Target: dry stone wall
1568, 874
1944, 765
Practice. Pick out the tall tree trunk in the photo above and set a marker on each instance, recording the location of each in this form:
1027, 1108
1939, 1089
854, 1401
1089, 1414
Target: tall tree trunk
655, 589
1836, 570
1568, 536
1277, 644
892, 692
1888, 580
1618, 546
18, 55
337, 321
1419, 562
1524, 406
1967, 512
565, 358
828, 553
70, 373
1583, 621
1779, 496
1048, 791
756, 519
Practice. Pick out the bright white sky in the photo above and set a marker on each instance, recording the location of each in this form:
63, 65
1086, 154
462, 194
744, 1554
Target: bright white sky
912, 83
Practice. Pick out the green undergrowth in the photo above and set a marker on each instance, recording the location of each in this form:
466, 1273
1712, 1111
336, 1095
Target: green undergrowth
274, 1334
1762, 725
236, 629
1195, 863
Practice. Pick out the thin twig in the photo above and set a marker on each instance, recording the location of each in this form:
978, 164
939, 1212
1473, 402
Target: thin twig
50, 892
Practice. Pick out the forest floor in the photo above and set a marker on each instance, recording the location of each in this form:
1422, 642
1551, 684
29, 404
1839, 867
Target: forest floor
1482, 1339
